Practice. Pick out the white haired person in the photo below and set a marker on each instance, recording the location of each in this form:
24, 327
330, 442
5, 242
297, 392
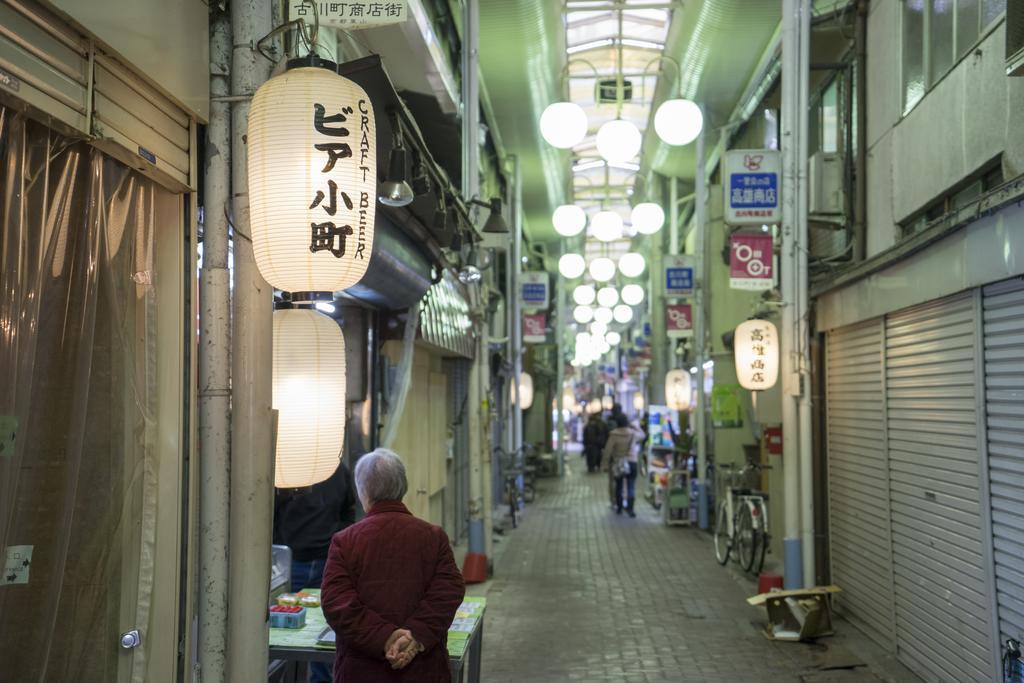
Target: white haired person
391, 586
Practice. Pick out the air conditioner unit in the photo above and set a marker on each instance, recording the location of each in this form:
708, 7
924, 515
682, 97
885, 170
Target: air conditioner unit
826, 194
1015, 38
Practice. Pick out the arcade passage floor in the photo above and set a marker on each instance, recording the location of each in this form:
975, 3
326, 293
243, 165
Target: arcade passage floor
580, 594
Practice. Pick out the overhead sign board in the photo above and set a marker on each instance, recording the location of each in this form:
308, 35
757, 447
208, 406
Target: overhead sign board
350, 15
752, 187
678, 276
750, 261
535, 328
533, 290
678, 321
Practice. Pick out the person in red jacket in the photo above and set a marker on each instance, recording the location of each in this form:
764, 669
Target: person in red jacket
391, 586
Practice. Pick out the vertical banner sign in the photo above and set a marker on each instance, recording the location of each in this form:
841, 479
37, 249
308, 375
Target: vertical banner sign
752, 187
678, 276
533, 290
750, 262
350, 15
535, 328
679, 321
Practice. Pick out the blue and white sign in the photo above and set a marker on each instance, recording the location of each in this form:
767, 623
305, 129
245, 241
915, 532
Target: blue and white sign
533, 290
678, 276
752, 187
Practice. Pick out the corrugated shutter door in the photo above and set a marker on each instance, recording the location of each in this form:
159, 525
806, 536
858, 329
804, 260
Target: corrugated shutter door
1004, 394
458, 371
942, 620
858, 478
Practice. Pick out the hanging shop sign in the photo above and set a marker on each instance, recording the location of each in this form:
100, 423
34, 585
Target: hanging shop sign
678, 276
535, 328
750, 261
533, 290
312, 180
679, 321
350, 15
725, 406
752, 187
756, 350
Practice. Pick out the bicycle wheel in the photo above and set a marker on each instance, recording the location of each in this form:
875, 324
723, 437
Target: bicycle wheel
745, 537
723, 542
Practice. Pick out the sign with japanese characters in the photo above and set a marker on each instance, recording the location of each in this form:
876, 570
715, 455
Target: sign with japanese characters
679, 321
533, 290
535, 328
678, 276
349, 15
750, 261
752, 187
756, 347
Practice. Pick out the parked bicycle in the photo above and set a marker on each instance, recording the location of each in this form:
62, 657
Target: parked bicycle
518, 464
741, 523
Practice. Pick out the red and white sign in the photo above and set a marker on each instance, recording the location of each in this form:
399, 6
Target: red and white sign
750, 261
679, 321
535, 328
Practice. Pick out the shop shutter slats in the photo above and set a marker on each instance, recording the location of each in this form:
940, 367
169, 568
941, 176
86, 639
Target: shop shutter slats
1004, 391
942, 622
858, 505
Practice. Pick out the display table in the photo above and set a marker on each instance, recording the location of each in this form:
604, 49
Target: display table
300, 646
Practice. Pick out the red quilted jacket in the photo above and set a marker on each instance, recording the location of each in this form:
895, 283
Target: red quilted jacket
389, 571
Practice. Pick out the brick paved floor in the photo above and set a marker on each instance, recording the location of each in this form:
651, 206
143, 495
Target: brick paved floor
581, 594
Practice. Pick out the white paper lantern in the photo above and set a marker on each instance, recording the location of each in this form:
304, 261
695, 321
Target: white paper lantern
312, 149
602, 269
604, 315
607, 296
638, 402
632, 294
308, 379
756, 350
613, 338
647, 218
563, 124
632, 264
571, 266
618, 141
584, 295
583, 314
623, 313
568, 398
678, 388
607, 402
569, 220
606, 226
678, 122
594, 406
525, 391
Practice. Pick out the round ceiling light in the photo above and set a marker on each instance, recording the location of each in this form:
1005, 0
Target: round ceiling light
678, 122
597, 331
613, 338
622, 313
607, 296
631, 294
647, 218
583, 314
584, 295
605, 315
632, 264
618, 141
563, 124
572, 266
569, 220
602, 269
606, 226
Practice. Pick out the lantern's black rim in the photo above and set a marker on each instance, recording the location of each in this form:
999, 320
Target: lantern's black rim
311, 60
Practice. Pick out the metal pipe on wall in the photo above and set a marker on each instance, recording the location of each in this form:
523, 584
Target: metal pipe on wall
699, 326
559, 329
516, 330
860, 218
252, 444
215, 366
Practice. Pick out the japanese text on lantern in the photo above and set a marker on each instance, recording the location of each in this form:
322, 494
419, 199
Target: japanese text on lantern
757, 364
324, 234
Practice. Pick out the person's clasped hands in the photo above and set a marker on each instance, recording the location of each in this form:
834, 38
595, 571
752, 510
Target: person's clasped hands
401, 648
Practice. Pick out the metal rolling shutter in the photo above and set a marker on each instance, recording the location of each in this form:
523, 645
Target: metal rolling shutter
1004, 394
858, 478
458, 371
941, 588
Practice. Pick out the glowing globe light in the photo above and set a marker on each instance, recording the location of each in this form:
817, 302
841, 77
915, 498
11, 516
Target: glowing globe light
563, 124
595, 404
583, 314
582, 340
607, 296
647, 218
604, 315
607, 402
618, 141
623, 313
584, 295
632, 264
572, 266
606, 226
602, 269
603, 347
613, 338
569, 220
678, 122
632, 294
638, 402
598, 330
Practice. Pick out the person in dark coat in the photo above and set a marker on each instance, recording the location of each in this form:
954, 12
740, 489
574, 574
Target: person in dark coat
594, 436
391, 586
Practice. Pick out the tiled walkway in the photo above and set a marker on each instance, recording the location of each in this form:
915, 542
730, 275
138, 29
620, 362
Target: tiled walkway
581, 594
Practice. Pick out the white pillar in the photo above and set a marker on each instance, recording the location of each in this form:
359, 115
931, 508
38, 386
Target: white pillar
699, 327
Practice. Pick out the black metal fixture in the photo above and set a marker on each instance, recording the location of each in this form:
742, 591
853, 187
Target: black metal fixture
495, 223
395, 191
